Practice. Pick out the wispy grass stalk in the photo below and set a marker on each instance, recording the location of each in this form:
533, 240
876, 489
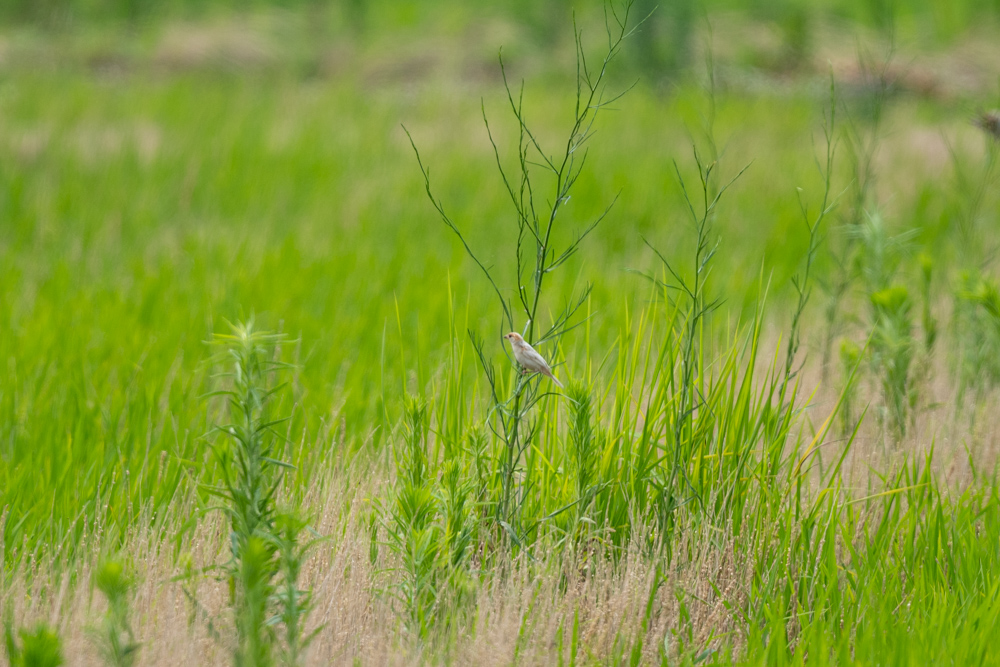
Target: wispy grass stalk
828, 202
863, 134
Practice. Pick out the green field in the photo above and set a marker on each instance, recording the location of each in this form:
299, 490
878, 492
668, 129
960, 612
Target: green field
774, 446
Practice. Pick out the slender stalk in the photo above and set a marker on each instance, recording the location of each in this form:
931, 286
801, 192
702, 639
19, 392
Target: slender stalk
510, 413
801, 283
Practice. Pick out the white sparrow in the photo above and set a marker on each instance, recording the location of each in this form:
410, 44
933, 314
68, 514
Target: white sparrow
528, 358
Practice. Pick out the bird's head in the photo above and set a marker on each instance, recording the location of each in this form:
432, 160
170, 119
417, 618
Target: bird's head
514, 337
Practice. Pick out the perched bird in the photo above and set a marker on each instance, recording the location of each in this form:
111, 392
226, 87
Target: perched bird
528, 358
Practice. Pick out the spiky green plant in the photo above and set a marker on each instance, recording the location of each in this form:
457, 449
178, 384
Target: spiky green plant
878, 257
863, 132
247, 454
115, 638
892, 352
292, 604
431, 523
411, 523
253, 588
266, 555
38, 647
976, 328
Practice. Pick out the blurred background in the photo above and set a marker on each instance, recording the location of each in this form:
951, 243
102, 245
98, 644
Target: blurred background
324, 37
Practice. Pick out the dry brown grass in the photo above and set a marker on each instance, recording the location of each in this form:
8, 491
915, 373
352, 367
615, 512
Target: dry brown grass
523, 615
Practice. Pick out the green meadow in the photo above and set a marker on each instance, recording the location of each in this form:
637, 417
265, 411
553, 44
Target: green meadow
255, 405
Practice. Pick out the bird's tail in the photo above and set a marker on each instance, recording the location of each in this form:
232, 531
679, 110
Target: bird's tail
558, 383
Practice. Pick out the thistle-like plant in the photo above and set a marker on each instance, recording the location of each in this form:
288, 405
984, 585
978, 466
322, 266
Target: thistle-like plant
892, 351
877, 259
114, 638
247, 454
292, 604
863, 134
411, 524
265, 555
253, 580
977, 331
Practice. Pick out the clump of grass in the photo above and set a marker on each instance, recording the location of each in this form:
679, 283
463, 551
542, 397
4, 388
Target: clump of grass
410, 520
38, 647
114, 638
430, 524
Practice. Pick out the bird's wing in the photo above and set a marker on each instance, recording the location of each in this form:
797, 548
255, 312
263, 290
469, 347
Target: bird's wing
538, 361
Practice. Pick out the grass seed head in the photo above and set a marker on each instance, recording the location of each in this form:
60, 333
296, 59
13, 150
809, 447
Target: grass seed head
989, 122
